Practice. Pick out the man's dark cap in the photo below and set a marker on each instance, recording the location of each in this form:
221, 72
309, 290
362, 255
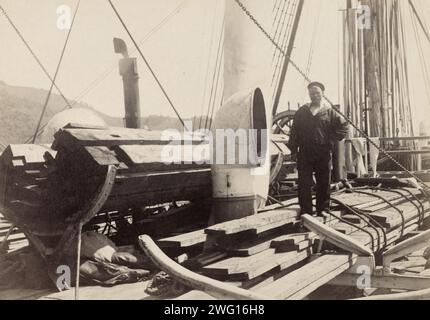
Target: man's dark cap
316, 84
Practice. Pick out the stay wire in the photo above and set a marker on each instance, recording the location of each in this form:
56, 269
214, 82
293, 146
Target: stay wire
33, 54
303, 74
147, 63
45, 105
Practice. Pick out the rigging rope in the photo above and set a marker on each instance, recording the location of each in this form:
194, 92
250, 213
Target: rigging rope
281, 17
279, 61
208, 66
314, 36
104, 75
210, 117
284, 45
280, 27
33, 54
422, 23
56, 72
217, 71
303, 74
147, 64
276, 7
278, 65
423, 63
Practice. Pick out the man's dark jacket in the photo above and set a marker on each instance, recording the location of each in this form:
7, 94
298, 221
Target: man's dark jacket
322, 130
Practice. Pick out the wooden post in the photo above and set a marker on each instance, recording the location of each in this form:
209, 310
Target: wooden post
339, 158
78, 260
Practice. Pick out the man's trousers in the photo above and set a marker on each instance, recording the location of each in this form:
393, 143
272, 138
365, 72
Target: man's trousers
309, 161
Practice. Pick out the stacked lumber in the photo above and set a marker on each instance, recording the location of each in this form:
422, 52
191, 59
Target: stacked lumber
42, 186
248, 252
265, 253
15, 239
397, 220
143, 177
23, 175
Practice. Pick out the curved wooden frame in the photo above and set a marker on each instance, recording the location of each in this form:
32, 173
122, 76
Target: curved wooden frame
80, 217
215, 288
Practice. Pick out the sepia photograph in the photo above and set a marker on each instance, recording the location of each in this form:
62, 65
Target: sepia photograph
188, 150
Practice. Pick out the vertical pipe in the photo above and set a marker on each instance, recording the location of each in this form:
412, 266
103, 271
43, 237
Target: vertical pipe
78, 260
130, 78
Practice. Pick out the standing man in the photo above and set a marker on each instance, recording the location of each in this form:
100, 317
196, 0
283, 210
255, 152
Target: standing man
315, 128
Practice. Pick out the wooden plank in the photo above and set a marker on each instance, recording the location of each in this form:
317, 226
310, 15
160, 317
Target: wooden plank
14, 237
195, 295
161, 158
205, 259
267, 277
73, 138
191, 279
334, 237
5, 225
390, 218
387, 281
355, 220
237, 265
408, 246
294, 247
254, 223
305, 280
271, 276
292, 239
247, 268
130, 291
32, 155
183, 240
102, 156
249, 247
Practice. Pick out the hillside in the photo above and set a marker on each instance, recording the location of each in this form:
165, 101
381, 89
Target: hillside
20, 109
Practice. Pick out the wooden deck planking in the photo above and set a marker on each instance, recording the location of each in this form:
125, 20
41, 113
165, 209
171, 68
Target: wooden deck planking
303, 281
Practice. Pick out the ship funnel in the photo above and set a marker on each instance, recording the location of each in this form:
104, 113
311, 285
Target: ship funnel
240, 156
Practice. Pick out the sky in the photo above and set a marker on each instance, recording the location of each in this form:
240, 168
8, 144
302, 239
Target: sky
179, 51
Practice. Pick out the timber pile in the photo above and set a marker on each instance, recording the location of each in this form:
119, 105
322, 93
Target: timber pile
265, 253
24, 182
248, 252
44, 186
15, 239
143, 178
395, 224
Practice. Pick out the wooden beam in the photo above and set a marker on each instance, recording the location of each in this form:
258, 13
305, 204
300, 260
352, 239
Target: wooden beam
405, 138
257, 223
405, 247
407, 152
191, 279
247, 268
183, 240
338, 239
301, 282
380, 281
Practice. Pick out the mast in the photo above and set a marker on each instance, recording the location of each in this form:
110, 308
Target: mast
288, 55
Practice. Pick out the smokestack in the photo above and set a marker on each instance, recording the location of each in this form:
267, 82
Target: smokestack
130, 77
